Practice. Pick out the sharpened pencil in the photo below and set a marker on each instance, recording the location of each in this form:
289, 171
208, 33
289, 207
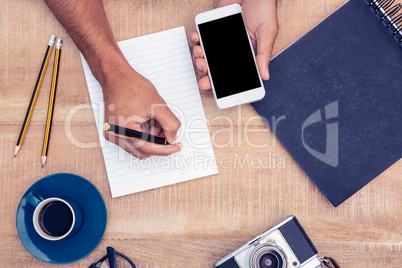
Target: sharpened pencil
52, 99
35, 94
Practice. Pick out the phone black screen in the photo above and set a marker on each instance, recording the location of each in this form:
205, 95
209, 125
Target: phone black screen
229, 55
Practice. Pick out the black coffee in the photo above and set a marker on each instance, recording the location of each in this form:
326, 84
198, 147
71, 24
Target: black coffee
55, 218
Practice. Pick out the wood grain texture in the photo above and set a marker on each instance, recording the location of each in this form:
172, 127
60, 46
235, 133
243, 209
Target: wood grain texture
195, 223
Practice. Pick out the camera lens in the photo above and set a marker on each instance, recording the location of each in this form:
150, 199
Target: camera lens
268, 255
269, 260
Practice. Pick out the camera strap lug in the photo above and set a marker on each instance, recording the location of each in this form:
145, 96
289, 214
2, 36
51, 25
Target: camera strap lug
329, 262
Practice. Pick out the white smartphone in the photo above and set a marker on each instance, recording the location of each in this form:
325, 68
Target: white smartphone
230, 58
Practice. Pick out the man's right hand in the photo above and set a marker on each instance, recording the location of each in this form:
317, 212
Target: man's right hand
131, 101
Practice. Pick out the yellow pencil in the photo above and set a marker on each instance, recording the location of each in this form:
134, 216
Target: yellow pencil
35, 94
51, 100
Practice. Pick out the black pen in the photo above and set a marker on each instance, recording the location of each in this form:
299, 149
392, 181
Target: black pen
133, 134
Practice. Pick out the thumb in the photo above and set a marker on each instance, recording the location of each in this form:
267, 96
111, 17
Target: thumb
266, 35
168, 121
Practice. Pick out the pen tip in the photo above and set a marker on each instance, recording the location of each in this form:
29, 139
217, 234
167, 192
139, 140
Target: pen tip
43, 165
15, 156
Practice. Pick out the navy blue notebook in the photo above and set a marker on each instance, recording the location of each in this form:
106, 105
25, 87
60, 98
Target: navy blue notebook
336, 95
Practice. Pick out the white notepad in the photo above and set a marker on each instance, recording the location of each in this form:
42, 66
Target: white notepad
164, 58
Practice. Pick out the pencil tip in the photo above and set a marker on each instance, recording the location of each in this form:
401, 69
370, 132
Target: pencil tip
43, 161
17, 148
15, 156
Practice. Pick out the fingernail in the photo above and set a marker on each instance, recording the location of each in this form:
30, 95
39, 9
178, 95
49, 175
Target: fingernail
198, 67
267, 73
193, 38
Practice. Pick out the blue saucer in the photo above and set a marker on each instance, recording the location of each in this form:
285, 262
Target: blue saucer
80, 244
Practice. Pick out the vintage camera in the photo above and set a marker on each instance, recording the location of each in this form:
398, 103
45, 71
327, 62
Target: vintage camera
286, 245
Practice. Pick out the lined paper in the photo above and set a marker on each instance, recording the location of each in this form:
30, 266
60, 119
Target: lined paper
164, 58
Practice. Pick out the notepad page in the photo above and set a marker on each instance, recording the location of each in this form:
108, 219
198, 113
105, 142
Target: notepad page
164, 58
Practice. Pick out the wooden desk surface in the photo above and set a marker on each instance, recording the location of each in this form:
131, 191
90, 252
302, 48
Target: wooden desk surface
191, 224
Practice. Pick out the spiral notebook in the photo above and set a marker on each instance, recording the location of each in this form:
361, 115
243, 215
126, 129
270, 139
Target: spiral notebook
335, 96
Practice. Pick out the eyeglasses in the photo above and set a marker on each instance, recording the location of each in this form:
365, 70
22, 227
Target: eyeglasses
113, 262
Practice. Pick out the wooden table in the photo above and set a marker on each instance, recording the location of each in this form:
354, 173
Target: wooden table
191, 224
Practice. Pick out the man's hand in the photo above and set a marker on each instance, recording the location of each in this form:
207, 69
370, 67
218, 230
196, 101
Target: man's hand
262, 25
132, 101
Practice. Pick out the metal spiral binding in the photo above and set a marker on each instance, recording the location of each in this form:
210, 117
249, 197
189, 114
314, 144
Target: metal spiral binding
389, 15
391, 12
